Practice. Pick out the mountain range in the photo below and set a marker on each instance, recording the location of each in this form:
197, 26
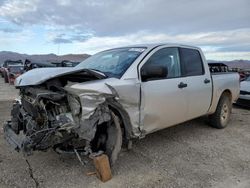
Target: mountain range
4, 55
241, 64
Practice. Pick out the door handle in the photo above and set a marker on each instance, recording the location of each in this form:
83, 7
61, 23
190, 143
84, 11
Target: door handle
206, 81
182, 85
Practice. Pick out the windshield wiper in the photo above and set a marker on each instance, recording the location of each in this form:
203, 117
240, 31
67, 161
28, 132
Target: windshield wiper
98, 72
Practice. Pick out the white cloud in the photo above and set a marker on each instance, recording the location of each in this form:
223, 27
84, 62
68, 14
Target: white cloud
112, 17
11, 39
210, 42
63, 2
17, 8
227, 55
218, 26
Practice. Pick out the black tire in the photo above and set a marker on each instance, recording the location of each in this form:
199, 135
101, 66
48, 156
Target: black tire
114, 141
222, 114
108, 139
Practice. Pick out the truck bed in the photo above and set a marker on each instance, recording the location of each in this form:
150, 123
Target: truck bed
222, 80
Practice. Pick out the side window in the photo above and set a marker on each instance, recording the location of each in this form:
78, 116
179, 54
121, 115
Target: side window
191, 62
168, 57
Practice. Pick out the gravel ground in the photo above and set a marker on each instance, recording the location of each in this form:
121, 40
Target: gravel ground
191, 154
7, 92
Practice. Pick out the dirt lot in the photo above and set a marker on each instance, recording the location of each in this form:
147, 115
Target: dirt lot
188, 155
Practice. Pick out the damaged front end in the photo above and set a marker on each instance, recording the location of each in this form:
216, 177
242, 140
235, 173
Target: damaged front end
57, 115
41, 118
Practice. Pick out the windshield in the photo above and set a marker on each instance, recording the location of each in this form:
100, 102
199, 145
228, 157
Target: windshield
248, 79
113, 63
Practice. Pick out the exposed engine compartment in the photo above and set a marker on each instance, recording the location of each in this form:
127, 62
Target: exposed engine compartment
49, 115
39, 115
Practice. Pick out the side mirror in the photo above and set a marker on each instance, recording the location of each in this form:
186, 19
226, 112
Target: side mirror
153, 72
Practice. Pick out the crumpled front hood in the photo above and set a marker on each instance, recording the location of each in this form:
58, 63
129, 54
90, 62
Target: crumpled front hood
40, 75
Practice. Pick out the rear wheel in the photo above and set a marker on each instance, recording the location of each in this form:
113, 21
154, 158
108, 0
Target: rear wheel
222, 114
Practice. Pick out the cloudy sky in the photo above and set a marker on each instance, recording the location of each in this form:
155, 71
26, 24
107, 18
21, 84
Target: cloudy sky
220, 27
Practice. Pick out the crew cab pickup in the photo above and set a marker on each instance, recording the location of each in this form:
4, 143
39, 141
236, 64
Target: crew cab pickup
115, 96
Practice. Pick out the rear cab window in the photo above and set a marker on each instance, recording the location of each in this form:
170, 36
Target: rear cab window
191, 62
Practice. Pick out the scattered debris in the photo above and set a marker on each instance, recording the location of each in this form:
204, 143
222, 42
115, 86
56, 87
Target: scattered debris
102, 166
79, 158
91, 173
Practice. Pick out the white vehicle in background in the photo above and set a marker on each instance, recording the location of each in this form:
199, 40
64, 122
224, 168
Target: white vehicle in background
244, 98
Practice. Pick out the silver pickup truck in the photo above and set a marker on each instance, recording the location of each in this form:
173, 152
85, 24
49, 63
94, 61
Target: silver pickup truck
115, 96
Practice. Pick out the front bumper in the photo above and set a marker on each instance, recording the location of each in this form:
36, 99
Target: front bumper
18, 142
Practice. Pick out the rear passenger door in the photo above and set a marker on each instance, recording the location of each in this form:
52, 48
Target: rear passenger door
198, 80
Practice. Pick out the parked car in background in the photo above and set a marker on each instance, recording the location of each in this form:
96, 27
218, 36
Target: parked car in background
14, 71
5, 68
67, 63
218, 67
244, 98
1, 70
115, 96
29, 65
243, 76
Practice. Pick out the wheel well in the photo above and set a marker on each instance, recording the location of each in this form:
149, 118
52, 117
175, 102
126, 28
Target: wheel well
125, 124
228, 93
102, 128
125, 121
117, 113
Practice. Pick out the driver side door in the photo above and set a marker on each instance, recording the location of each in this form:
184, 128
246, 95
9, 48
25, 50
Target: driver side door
163, 100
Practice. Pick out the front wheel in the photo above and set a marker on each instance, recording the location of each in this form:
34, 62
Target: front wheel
108, 138
222, 114
114, 141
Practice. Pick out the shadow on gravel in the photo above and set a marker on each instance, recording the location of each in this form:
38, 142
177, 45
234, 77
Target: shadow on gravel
241, 107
